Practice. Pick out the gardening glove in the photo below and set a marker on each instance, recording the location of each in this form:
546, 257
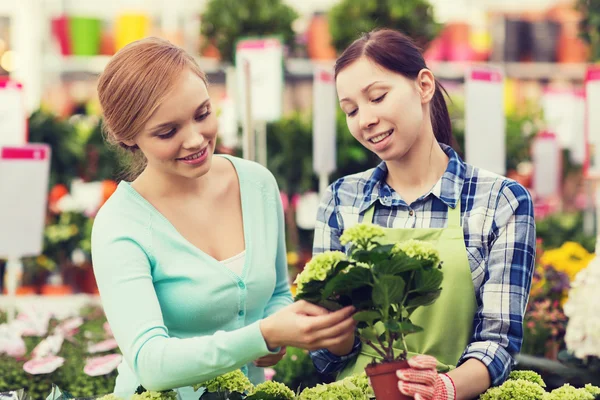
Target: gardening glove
423, 382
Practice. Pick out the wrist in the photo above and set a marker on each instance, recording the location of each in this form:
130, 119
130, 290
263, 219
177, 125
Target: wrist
269, 334
343, 349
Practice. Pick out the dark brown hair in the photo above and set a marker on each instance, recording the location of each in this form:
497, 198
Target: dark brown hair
397, 52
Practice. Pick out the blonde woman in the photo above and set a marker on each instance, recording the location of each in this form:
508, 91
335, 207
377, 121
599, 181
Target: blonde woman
189, 252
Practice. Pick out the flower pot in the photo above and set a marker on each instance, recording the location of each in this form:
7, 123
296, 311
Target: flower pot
130, 27
544, 35
85, 35
517, 39
56, 290
60, 31
318, 44
385, 381
23, 291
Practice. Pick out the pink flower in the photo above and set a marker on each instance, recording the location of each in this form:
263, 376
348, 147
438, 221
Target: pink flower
269, 373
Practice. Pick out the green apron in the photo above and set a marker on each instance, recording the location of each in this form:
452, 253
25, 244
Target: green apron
447, 323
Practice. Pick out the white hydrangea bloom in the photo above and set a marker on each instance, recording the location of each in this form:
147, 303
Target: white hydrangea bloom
583, 309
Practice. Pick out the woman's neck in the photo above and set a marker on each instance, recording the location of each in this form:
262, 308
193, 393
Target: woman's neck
419, 170
156, 184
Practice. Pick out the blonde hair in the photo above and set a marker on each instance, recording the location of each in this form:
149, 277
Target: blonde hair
133, 85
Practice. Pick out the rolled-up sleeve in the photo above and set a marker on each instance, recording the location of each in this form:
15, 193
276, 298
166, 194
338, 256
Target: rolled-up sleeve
502, 300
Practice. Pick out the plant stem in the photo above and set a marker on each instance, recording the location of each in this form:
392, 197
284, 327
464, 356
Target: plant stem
374, 346
405, 352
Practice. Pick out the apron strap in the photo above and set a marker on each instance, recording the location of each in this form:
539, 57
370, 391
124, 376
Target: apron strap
369, 214
453, 215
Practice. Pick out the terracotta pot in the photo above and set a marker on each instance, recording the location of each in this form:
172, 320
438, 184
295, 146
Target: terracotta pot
384, 380
319, 45
23, 291
56, 290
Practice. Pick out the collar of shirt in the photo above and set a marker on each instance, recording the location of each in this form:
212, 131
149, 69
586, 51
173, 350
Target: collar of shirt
448, 188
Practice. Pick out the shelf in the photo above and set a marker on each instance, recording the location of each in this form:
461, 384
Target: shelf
516, 70
303, 68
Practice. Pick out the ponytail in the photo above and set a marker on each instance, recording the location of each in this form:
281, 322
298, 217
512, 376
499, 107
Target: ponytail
440, 117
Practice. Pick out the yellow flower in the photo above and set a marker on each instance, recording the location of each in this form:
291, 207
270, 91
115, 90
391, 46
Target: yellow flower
570, 258
292, 258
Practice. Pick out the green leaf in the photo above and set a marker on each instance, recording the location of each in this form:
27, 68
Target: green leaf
373, 256
406, 327
367, 316
428, 280
311, 291
393, 326
361, 298
422, 300
346, 282
388, 290
396, 266
329, 305
340, 266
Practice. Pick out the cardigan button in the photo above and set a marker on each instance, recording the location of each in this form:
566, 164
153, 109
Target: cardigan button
242, 285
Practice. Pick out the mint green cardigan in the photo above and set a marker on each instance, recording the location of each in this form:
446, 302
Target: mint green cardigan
180, 317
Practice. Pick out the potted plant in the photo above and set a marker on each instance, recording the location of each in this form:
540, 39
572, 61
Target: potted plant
413, 17
386, 284
226, 21
354, 387
236, 386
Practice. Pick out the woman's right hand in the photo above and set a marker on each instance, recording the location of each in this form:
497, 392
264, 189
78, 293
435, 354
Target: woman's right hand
307, 326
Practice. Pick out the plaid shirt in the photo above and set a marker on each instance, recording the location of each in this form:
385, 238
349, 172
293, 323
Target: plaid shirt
499, 230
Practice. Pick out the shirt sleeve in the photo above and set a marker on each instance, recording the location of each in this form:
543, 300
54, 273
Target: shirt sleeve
123, 272
498, 322
282, 295
328, 228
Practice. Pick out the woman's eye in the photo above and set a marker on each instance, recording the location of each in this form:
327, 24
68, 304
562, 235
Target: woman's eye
203, 115
168, 134
352, 113
380, 98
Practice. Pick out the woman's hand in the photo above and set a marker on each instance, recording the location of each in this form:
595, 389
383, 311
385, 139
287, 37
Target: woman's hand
307, 326
423, 382
271, 359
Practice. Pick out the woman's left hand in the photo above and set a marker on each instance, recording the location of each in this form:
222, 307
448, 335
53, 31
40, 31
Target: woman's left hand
271, 359
423, 382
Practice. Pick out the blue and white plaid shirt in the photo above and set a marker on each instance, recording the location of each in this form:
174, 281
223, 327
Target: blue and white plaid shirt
499, 230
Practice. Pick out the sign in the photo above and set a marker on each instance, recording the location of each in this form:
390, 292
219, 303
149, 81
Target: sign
265, 56
13, 116
592, 92
24, 173
546, 157
485, 124
324, 121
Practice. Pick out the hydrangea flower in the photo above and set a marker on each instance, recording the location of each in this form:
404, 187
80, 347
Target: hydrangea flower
517, 389
419, 250
272, 389
234, 381
318, 268
594, 390
333, 391
152, 395
568, 392
362, 382
111, 396
362, 235
530, 376
583, 309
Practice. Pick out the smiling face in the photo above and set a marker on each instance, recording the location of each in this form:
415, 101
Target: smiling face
384, 110
179, 138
